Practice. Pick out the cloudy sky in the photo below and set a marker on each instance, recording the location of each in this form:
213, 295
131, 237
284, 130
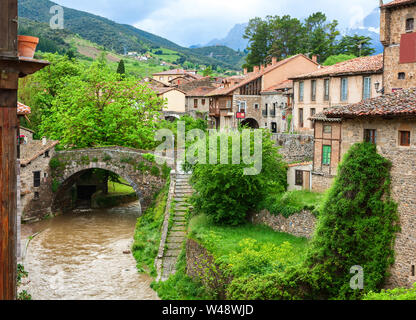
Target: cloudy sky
189, 22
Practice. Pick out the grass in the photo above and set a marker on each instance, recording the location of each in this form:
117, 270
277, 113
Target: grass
223, 240
148, 233
292, 202
115, 188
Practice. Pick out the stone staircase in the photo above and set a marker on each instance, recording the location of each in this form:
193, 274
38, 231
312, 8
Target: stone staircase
176, 234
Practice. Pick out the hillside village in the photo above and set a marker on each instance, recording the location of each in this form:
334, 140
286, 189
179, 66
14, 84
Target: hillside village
316, 117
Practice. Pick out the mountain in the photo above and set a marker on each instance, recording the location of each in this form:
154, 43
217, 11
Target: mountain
222, 53
370, 28
234, 38
109, 34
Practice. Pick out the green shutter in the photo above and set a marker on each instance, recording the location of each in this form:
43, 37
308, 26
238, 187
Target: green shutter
326, 155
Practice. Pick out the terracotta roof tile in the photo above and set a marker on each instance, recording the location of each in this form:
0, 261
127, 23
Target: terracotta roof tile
36, 150
355, 66
23, 109
200, 92
399, 103
397, 3
287, 84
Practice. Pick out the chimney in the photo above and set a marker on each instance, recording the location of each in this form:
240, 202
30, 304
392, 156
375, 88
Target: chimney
262, 67
256, 69
274, 60
315, 58
44, 141
245, 71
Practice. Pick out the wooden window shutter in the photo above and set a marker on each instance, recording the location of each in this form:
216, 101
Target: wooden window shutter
408, 48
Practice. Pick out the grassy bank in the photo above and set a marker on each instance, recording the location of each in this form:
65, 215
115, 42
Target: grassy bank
240, 251
148, 233
292, 202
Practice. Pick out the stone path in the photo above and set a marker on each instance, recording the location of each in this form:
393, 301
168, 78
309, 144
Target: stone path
177, 232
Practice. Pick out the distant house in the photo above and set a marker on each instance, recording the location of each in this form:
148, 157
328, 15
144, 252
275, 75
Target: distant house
169, 75
341, 84
197, 104
175, 101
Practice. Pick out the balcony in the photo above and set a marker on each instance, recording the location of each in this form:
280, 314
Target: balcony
273, 113
264, 113
214, 112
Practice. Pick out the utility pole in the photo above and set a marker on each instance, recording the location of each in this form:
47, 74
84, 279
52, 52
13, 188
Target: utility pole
11, 68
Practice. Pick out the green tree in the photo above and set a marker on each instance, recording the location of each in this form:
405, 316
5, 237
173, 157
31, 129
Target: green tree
121, 69
356, 45
225, 194
207, 71
331, 60
99, 108
259, 35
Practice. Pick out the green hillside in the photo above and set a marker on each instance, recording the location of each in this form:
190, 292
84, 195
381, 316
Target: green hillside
222, 53
111, 35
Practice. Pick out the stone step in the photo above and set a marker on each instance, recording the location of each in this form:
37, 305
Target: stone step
179, 193
174, 240
172, 252
180, 214
178, 229
177, 234
181, 199
174, 245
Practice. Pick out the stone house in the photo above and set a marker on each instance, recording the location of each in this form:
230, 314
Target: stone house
299, 176
175, 101
197, 104
398, 36
35, 181
240, 100
337, 85
277, 102
389, 122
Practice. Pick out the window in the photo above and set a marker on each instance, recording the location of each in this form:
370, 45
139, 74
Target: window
300, 118
326, 155
256, 106
404, 138
370, 135
36, 179
36, 196
203, 102
301, 88
413, 270
313, 90
299, 178
46, 155
313, 112
410, 24
366, 88
242, 106
344, 89
401, 76
326, 89
195, 103
327, 129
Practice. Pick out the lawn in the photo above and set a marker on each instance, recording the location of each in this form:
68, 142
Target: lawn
115, 188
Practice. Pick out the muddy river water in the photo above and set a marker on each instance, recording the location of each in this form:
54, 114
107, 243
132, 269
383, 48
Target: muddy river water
84, 255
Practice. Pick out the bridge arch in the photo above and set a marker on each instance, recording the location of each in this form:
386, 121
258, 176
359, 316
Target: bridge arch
134, 166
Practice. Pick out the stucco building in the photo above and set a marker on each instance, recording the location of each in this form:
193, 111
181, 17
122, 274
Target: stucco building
341, 84
390, 123
176, 76
241, 101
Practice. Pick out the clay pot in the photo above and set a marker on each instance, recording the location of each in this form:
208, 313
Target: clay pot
27, 46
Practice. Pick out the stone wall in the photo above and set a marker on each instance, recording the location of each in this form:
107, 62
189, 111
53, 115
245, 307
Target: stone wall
294, 147
300, 225
321, 182
201, 267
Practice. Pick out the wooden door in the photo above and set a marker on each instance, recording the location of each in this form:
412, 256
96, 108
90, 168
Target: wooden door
8, 28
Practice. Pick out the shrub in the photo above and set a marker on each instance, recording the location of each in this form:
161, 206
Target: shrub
393, 294
155, 171
225, 194
149, 157
166, 171
54, 163
55, 185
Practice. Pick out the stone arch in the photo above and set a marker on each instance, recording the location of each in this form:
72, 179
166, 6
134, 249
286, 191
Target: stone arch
130, 164
172, 117
251, 123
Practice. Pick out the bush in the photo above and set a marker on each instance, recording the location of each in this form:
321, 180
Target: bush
393, 294
155, 171
225, 194
54, 163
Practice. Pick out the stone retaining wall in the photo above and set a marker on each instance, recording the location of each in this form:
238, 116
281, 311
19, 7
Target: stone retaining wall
294, 147
300, 225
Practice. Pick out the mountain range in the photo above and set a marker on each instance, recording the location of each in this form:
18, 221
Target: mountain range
113, 36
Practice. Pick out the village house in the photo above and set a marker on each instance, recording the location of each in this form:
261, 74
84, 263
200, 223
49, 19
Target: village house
398, 36
168, 77
389, 122
277, 102
197, 104
242, 102
175, 101
341, 84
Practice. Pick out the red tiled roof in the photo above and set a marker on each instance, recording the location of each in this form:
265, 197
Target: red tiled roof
22, 109
162, 90
299, 164
36, 150
200, 92
397, 3
399, 103
287, 84
178, 72
370, 64
253, 76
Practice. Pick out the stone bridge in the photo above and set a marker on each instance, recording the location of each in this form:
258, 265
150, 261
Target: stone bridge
135, 166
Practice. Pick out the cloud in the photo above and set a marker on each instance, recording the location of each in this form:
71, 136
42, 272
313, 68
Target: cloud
188, 22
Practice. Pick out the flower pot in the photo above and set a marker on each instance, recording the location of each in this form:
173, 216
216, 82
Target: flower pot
27, 46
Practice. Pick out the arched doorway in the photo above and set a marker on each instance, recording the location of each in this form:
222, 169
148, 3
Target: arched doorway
251, 123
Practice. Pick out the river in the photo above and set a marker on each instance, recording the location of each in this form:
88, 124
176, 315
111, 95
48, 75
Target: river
84, 255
